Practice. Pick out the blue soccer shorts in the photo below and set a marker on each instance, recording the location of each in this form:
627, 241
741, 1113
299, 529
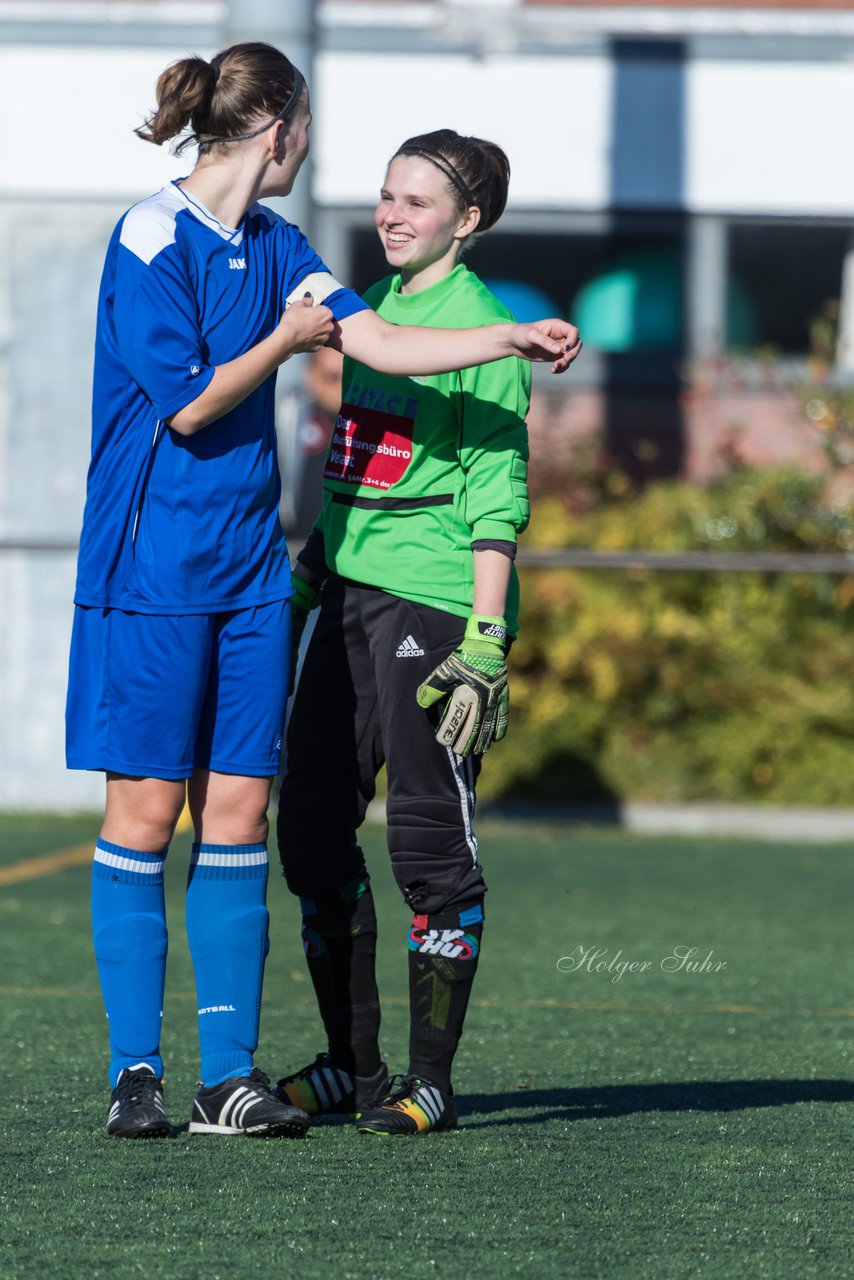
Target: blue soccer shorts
154, 696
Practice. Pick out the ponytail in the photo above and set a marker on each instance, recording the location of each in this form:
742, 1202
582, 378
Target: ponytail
222, 98
184, 90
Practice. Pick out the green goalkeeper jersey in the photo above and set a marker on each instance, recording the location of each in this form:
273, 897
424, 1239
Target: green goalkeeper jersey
419, 468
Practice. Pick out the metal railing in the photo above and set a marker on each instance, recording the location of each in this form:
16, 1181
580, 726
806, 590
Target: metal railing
696, 561
588, 558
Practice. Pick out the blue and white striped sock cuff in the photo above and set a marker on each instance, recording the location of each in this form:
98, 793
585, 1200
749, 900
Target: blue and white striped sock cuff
229, 861
128, 866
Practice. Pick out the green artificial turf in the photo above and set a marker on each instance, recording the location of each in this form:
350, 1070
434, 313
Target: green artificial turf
650, 1126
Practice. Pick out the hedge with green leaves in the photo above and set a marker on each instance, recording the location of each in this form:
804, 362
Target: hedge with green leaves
681, 686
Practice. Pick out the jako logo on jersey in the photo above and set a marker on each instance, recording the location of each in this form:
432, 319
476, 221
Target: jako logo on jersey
452, 943
408, 648
237, 264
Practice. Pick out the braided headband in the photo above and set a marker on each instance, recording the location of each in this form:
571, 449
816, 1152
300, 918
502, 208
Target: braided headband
444, 166
299, 83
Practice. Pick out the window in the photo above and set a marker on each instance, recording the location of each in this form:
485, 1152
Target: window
779, 277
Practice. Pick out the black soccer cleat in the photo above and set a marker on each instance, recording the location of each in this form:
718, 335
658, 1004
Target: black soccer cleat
323, 1089
136, 1106
417, 1106
246, 1105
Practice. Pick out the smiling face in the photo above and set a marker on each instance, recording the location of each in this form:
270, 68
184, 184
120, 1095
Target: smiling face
420, 224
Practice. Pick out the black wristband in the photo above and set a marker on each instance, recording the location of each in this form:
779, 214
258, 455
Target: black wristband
507, 548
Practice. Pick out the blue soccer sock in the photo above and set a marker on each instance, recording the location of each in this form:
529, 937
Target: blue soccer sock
227, 930
129, 929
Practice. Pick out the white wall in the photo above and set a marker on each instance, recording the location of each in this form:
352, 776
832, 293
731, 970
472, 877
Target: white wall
761, 137
550, 115
771, 138
48, 291
70, 117
69, 165
36, 596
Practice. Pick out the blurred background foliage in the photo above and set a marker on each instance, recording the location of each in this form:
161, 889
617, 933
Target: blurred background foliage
685, 686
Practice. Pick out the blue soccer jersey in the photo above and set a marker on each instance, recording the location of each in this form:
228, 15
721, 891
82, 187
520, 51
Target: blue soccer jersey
188, 524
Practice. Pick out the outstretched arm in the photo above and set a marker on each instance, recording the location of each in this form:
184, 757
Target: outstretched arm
405, 349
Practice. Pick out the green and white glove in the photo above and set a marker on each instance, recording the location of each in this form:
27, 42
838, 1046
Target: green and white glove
305, 598
471, 688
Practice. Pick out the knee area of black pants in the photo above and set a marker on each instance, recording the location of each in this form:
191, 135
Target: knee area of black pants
439, 890
344, 912
315, 861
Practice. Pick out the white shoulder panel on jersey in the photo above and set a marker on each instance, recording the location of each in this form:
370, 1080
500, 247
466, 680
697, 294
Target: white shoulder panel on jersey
150, 226
320, 284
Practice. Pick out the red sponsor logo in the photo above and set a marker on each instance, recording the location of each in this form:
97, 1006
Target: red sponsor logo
369, 447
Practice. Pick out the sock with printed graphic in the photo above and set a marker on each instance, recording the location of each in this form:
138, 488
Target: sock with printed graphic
227, 931
339, 933
129, 930
443, 954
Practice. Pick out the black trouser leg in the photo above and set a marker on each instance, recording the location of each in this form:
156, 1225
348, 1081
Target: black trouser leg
431, 796
339, 933
431, 791
444, 949
333, 756
354, 707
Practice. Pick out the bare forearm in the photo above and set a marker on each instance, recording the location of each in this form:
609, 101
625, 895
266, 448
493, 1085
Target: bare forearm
304, 327
403, 349
230, 385
491, 580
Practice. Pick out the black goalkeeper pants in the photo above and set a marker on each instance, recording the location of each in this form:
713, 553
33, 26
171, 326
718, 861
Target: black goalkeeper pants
354, 709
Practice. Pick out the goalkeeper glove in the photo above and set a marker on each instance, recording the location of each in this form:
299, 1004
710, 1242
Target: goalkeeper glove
305, 598
470, 687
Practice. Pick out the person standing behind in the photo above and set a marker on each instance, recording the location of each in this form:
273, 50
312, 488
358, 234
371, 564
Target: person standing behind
425, 493
178, 668
304, 420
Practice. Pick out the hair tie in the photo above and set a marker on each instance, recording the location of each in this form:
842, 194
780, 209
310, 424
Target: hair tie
282, 115
444, 166
215, 68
